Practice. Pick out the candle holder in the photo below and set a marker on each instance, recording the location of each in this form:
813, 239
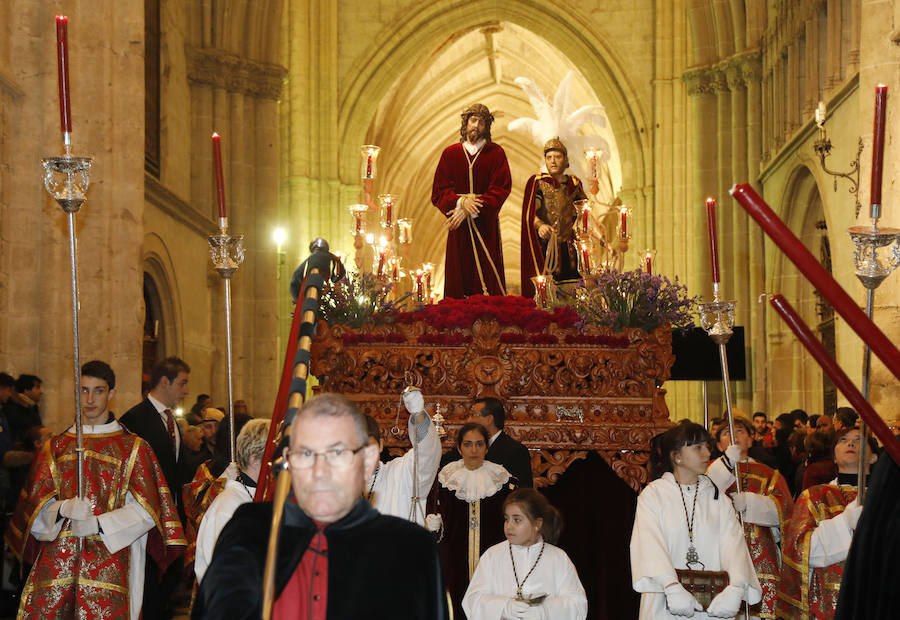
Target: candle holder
369, 165
70, 194
717, 319
593, 157
227, 254
404, 232
358, 211
872, 269
544, 291
438, 420
388, 204
822, 148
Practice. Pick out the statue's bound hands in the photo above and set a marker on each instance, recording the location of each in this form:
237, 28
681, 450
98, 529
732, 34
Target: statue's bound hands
472, 205
544, 231
457, 217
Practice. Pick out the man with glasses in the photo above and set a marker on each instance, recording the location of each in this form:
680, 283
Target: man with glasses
337, 556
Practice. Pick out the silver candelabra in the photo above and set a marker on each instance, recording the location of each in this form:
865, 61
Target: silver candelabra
70, 192
872, 269
227, 254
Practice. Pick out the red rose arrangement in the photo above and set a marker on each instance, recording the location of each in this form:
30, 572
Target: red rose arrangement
507, 311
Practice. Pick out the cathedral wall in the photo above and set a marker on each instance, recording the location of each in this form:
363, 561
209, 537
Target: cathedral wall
106, 71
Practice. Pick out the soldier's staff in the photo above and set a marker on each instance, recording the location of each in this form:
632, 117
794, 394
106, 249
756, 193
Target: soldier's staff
308, 280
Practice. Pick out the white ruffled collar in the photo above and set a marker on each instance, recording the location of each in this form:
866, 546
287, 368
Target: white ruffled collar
473, 484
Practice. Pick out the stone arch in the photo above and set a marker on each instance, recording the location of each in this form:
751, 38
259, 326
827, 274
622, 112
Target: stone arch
157, 262
793, 372
399, 48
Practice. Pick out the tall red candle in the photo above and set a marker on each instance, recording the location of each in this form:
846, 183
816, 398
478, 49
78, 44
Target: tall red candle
810, 267
624, 212
220, 176
648, 263
878, 143
837, 376
62, 66
713, 238
585, 215
585, 258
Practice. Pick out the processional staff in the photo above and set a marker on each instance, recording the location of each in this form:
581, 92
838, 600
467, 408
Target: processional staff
227, 254
843, 304
70, 194
717, 318
308, 279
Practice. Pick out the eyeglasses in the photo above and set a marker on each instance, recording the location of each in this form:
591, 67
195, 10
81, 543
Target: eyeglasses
338, 458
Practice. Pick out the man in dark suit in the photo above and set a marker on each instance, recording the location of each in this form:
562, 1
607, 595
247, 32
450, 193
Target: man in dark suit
503, 450
153, 420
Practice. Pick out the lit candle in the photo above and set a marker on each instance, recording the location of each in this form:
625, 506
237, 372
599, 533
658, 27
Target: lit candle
395, 270
381, 255
420, 295
837, 376
878, 143
821, 280
585, 217
62, 66
220, 177
648, 262
405, 228
713, 238
585, 258
358, 216
431, 298
388, 206
427, 268
369, 166
624, 213
542, 290
820, 114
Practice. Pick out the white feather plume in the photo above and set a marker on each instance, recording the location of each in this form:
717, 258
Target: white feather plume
557, 119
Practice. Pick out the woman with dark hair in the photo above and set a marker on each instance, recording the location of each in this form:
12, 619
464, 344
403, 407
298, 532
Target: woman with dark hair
526, 577
817, 537
465, 509
684, 522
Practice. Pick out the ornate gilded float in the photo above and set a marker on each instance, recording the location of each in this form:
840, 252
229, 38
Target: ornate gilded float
568, 388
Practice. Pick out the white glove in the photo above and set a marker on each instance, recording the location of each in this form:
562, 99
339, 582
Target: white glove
851, 514
533, 612
85, 527
514, 610
727, 603
231, 472
681, 602
433, 522
740, 502
413, 401
733, 453
75, 508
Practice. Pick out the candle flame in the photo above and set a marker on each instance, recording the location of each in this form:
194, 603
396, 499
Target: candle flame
62, 18
710, 202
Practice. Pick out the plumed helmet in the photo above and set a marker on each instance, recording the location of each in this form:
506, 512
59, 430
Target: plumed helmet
555, 144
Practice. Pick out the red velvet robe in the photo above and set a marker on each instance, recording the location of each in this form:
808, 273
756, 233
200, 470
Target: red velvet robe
803, 595
62, 582
491, 181
197, 495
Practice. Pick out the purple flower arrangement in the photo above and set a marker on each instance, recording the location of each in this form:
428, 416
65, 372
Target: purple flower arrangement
618, 300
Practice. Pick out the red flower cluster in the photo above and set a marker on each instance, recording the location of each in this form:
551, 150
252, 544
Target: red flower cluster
612, 342
508, 311
450, 340
515, 338
352, 339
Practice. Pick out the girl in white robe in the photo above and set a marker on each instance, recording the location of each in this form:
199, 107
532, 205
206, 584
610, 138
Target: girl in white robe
512, 576
682, 510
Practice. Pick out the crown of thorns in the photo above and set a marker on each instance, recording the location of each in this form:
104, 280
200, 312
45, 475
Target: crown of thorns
479, 109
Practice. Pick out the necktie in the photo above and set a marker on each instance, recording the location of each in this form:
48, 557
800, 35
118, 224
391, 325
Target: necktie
170, 426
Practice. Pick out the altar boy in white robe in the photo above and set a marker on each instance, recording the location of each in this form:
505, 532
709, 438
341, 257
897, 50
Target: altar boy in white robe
681, 517
400, 486
526, 577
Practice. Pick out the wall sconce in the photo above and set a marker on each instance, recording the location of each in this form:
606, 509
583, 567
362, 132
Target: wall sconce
822, 147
